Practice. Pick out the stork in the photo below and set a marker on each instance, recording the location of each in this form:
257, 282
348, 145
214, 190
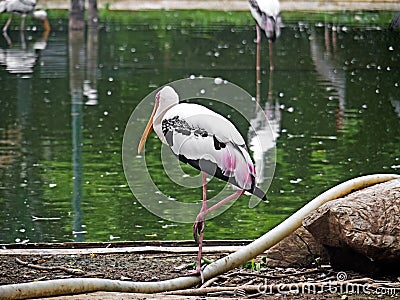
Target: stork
267, 14
23, 7
208, 142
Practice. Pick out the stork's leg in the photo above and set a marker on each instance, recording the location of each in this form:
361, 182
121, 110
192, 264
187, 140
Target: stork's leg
234, 196
258, 40
22, 23
7, 23
271, 55
198, 226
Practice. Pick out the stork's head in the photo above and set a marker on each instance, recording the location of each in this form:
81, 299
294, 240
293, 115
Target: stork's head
41, 15
165, 99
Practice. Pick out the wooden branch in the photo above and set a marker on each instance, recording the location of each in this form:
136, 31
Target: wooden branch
50, 268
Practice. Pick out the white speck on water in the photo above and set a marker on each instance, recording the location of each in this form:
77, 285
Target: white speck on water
290, 109
110, 79
294, 181
281, 94
202, 91
364, 106
105, 113
133, 50
22, 230
192, 77
109, 93
391, 48
218, 80
51, 185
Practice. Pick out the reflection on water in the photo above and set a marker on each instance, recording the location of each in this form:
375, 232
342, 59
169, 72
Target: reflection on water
332, 102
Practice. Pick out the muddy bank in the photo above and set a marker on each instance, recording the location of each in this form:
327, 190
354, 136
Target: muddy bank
252, 280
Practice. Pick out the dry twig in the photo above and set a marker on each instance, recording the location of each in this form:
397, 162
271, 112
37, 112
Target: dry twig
50, 268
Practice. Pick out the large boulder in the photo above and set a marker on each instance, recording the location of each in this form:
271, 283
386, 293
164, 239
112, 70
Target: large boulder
300, 249
361, 231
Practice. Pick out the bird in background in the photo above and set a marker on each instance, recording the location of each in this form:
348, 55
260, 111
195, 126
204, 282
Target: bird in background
24, 8
395, 21
267, 14
208, 142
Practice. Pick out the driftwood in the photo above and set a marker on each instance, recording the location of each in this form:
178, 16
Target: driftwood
82, 285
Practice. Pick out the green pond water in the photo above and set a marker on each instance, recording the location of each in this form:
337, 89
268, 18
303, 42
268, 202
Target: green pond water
333, 100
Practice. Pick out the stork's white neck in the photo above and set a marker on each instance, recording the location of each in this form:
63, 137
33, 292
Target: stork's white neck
166, 98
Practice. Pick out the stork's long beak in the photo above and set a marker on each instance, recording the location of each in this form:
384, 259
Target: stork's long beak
148, 129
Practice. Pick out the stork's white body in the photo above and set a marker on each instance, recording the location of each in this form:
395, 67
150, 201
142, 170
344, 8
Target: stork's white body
267, 14
205, 140
22, 7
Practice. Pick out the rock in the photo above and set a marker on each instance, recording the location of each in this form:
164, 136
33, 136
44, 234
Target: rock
299, 249
361, 231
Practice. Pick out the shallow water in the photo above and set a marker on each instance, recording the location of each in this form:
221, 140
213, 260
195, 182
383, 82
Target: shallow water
333, 100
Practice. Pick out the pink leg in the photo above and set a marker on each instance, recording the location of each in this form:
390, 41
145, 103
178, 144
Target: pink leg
234, 196
198, 228
22, 23
7, 23
199, 224
258, 34
271, 60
